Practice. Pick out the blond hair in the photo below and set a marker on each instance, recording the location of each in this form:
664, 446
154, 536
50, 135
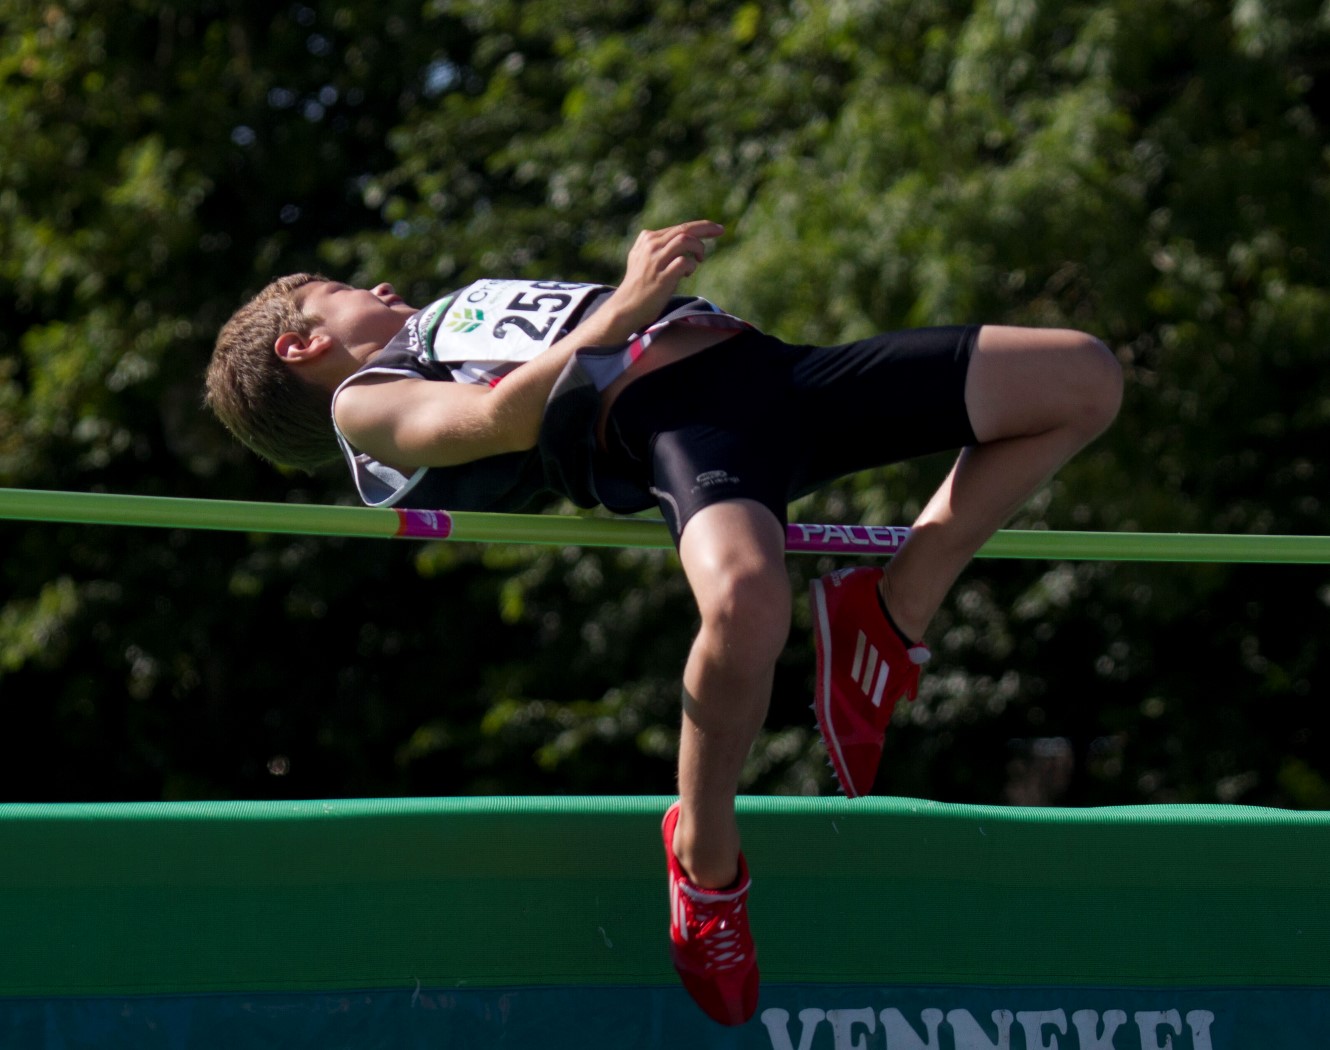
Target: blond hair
264, 403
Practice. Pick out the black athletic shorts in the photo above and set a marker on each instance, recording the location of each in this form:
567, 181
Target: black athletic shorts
756, 418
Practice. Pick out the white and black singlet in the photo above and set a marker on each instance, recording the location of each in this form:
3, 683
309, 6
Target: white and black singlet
480, 333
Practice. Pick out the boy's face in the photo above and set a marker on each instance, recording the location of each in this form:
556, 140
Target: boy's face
360, 319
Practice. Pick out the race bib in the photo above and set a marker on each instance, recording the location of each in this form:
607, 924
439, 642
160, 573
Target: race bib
502, 320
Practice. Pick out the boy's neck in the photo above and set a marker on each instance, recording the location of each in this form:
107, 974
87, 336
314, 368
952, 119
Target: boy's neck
333, 368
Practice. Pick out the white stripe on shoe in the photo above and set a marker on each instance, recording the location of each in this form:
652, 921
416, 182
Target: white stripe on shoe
882, 673
872, 685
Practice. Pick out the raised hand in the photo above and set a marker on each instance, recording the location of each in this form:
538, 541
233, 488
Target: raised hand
657, 262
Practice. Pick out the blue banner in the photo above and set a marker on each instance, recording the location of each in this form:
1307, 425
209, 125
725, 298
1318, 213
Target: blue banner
789, 1017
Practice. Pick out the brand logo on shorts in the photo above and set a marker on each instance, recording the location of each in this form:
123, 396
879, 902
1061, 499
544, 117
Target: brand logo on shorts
710, 479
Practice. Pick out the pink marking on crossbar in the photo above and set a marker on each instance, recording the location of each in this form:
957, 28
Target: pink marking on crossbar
424, 524
846, 539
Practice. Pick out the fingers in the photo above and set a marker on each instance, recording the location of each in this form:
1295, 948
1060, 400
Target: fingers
695, 232
687, 250
684, 263
678, 250
700, 228
658, 261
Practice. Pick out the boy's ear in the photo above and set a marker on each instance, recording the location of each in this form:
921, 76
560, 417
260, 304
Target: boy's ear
295, 349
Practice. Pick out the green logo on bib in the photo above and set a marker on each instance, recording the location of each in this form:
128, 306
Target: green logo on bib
469, 321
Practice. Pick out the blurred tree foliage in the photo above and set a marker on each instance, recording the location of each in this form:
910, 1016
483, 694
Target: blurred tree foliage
1155, 171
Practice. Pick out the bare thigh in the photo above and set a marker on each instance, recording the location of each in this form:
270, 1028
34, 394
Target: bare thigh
1025, 381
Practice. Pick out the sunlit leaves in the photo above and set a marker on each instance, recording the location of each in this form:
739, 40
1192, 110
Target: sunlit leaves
1154, 172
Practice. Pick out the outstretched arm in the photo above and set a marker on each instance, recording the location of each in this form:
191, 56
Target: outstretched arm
418, 423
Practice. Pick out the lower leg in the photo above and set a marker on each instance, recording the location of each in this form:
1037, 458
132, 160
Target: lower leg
733, 554
1035, 398
985, 487
713, 747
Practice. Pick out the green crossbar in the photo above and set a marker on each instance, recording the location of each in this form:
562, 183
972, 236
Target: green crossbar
570, 530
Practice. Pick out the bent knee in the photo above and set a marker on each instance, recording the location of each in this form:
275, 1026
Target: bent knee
745, 611
1095, 394
1025, 381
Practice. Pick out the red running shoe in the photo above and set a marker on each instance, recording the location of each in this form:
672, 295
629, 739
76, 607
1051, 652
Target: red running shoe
710, 943
863, 668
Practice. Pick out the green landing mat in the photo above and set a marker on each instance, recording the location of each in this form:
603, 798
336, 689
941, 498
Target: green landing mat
881, 924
